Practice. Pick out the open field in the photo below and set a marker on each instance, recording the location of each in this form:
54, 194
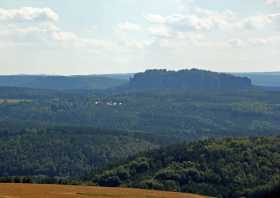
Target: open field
13, 101
60, 191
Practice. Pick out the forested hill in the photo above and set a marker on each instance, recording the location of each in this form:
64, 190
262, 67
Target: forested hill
247, 167
181, 114
65, 151
193, 79
61, 82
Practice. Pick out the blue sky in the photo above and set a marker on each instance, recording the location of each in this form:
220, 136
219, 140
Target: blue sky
119, 36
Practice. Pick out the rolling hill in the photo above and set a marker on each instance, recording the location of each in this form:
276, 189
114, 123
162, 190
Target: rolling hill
61, 82
220, 168
181, 114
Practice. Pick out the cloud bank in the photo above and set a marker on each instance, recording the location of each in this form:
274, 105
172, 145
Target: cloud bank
28, 14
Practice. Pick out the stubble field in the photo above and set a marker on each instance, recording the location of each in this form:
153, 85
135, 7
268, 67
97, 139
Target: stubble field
60, 191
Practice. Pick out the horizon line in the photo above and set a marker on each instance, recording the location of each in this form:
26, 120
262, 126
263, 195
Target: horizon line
132, 73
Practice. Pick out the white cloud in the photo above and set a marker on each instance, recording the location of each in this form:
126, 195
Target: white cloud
129, 44
259, 21
156, 19
194, 18
95, 44
129, 27
38, 26
270, 2
198, 26
12, 34
64, 36
257, 41
160, 31
201, 21
189, 28
35, 28
27, 25
260, 41
236, 42
184, 5
28, 14
198, 20
264, 40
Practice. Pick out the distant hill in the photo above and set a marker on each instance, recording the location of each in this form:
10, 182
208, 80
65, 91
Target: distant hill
270, 80
193, 79
180, 79
61, 82
246, 167
125, 76
266, 79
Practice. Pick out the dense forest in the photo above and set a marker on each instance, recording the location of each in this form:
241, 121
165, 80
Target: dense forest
66, 151
193, 79
248, 167
269, 191
186, 114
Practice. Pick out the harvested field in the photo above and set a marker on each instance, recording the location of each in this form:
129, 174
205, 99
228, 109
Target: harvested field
60, 191
13, 101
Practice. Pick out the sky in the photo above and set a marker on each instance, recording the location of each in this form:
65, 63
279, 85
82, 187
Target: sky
125, 36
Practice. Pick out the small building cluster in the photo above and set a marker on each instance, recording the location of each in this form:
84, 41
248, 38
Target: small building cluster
108, 103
